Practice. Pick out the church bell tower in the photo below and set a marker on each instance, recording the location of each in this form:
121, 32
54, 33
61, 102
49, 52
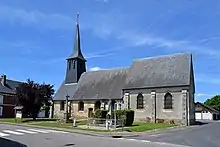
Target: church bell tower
76, 63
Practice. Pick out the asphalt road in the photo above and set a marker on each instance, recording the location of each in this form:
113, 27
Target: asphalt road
18, 136
206, 135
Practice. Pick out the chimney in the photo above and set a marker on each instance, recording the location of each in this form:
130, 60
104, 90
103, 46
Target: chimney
3, 80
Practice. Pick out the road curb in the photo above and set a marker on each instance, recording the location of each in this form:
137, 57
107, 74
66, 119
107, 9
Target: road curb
78, 131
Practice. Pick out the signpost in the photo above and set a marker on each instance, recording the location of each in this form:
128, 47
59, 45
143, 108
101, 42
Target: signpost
18, 113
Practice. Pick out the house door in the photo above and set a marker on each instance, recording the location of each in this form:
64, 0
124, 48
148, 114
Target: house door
90, 111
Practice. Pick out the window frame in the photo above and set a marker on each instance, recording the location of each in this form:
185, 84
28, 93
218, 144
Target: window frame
168, 101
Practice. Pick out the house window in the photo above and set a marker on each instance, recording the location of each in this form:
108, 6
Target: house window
81, 106
168, 102
140, 101
62, 105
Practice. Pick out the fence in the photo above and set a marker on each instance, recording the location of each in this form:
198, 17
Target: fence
105, 123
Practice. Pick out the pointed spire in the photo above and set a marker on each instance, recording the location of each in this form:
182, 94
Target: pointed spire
77, 48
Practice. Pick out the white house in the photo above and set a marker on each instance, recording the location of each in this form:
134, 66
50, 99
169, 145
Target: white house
204, 112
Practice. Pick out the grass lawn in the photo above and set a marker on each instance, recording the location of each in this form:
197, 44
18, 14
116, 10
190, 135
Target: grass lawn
24, 120
65, 125
45, 122
136, 127
141, 127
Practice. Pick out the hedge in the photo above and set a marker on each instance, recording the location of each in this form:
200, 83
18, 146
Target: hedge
120, 114
127, 114
100, 114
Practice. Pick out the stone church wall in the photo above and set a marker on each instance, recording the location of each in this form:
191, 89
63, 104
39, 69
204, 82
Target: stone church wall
82, 114
152, 111
57, 112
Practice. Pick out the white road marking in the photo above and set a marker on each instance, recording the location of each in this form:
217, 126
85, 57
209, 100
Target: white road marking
147, 141
56, 131
26, 131
156, 134
13, 132
3, 134
130, 139
40, 131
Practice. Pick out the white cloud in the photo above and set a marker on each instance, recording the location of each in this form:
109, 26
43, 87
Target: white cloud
137, 39
57, 60
95, 68
98, 55
104, 25
24, 17
204, 95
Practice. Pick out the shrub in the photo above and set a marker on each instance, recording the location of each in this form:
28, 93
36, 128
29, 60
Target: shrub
127, 114
129, 117
100, 114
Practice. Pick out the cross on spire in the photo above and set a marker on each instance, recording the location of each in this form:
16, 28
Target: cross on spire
77, 18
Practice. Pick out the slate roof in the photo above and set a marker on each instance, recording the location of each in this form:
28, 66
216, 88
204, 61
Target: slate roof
167, 70
10, 87
102, 84
65, 89
161, 71
206, 107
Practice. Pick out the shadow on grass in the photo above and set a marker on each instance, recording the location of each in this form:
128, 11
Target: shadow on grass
38, 119
9, 143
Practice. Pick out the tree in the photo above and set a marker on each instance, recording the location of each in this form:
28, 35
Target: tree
214, 102
32, 96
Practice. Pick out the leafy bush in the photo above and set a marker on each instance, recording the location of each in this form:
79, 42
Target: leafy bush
100, 114
129, 117
127, 114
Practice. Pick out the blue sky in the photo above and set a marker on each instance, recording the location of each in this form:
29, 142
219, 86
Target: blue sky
36, 36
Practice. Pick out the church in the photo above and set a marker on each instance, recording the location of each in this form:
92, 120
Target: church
156, 88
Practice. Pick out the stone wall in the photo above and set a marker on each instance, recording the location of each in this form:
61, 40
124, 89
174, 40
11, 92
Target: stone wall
57, 112
82, 114
74, 111
146, 112
154, 105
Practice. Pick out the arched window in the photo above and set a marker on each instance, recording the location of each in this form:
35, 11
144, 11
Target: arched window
81, 106
168, 102
140, 101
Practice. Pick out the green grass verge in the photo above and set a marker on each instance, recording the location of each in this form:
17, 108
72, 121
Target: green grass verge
66, 125
136, 127
25, 120
141, 127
